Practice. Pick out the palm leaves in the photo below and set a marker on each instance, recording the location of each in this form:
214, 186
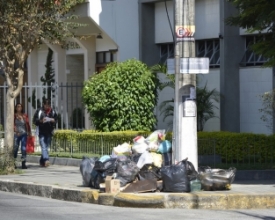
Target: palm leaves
205, 99
205, 105
167, 109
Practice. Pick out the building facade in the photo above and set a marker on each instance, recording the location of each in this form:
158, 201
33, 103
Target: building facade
143, 29
235, 71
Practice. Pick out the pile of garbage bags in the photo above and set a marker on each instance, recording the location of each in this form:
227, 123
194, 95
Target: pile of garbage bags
146, 165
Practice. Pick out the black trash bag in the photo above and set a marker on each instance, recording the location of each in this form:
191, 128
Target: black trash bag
191, 171
86, 168
166, 159
97, 178
174, 178
149, 172
127, 171
216, 179
107, 167
135, 157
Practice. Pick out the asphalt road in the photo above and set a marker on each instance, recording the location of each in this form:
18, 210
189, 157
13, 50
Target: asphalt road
22, 207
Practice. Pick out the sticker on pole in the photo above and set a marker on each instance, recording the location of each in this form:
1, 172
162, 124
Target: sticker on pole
189, 108
185, 33
189, 65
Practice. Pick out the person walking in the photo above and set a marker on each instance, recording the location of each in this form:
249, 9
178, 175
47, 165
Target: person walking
21, 130
45, 119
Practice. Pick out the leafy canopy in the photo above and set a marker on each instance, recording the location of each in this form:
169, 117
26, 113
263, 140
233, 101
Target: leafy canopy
24, 23
122, 97
257, 16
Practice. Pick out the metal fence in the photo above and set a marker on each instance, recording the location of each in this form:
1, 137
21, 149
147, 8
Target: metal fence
210, 152
66, 101
77, 147
101, 146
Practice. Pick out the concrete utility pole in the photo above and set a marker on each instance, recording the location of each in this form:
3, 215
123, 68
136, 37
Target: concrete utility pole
185, 109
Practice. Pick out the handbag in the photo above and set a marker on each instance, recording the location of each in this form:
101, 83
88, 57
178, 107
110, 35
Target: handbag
30, 144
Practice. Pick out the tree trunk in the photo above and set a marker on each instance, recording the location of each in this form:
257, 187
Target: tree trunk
7, 158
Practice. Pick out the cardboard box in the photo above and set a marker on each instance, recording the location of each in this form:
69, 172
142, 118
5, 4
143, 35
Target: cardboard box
112, 185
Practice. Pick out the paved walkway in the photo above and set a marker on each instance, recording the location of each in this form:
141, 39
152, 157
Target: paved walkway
65, 183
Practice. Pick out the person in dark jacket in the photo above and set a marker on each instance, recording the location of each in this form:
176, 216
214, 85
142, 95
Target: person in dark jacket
45, 119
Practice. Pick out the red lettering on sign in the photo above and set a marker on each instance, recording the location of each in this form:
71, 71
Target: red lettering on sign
184, 32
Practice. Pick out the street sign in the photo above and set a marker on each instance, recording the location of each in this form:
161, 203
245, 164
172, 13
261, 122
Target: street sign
189, 65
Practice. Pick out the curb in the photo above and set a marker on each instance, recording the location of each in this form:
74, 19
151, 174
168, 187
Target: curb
198, 200
56, 161
241, 175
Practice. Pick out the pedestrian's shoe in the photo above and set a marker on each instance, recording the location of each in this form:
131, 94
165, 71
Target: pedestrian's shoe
24, 165
47, 163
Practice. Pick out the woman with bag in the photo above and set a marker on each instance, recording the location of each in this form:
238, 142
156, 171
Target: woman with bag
22, 130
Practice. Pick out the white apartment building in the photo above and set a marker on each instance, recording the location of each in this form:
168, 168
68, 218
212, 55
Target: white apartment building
140, 29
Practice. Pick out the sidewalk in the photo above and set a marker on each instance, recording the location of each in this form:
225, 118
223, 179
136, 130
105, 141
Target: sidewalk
65, 183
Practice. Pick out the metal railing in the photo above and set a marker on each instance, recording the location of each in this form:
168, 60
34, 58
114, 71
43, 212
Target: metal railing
253, 153
210, 152
66, 101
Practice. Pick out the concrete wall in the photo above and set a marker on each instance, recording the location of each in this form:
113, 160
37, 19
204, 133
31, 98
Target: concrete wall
162, 28
75, 68
253, 82
120, 20
75, 75
232, 47
207, 19
41, 59
149, 51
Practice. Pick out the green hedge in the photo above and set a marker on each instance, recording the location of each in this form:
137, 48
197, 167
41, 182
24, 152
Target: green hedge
241, 147
232, 147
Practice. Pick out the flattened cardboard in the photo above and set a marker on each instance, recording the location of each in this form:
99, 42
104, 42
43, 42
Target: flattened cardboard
141, 186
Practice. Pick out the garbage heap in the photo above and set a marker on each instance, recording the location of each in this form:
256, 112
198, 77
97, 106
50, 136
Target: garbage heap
146, 166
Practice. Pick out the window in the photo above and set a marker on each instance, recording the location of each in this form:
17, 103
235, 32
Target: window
103, 58
210, 49
166, 51
204, 48
250, 58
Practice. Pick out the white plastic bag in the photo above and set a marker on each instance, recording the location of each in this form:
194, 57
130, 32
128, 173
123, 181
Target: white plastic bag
124, 149
139, 146
145, 158
153, 140
157, 159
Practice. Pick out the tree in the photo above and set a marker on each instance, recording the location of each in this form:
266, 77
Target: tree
47, 80
205, 105
257, 16
205, 99
268, 107
122, 97
25, 24
167, 106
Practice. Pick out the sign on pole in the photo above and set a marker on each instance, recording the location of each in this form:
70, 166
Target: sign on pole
189, 65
